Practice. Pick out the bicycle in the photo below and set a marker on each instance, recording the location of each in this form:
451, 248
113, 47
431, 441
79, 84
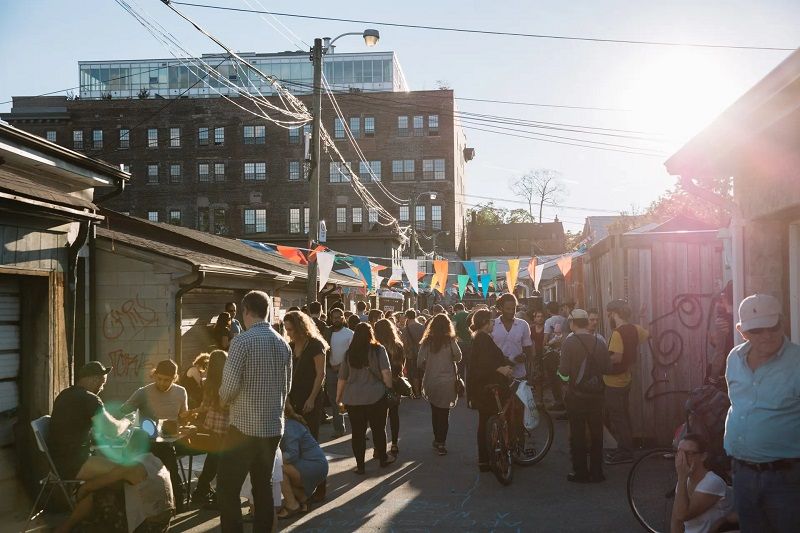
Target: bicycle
508, 441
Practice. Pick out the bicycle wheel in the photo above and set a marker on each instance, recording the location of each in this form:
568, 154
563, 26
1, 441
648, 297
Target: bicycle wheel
499, 452
651, 489
533, 444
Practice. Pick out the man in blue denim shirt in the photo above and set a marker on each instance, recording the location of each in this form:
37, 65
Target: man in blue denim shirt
762, 431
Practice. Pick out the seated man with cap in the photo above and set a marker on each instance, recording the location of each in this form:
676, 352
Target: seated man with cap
76, 411
163, 400
762, 431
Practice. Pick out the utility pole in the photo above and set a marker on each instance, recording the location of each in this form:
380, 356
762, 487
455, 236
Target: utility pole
314, 171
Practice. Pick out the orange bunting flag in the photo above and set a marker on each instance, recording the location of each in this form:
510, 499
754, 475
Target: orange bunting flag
292, 254
565, 265
511, 275
440, 267
532, 270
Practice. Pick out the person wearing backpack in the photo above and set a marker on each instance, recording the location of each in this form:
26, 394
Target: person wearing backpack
583, 360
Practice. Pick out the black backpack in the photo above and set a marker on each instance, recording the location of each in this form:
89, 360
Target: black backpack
589, 380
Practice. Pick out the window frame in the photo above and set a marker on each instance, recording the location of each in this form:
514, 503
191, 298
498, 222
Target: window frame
151, 217
219, 136
355, 131
151, 176
419, 217
405, 174
152, 138
47, 136
402, 131
338, 128
294, 163
433, 125
217, 174
174, 140
208, 176
357, 222
170, 219
341, 222
369, 131
436, 223
77, 140
173, 178
256, 213
256, 175
202, 135
295, 226
419, 131
124, 139
97, 140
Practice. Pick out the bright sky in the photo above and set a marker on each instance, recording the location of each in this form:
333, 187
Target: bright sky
668, 90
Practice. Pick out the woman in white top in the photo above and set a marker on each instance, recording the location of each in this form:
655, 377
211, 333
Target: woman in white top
702, 498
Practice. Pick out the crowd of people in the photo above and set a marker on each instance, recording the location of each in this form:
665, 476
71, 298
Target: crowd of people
258, 406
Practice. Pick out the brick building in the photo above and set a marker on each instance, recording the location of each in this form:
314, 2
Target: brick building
204, 163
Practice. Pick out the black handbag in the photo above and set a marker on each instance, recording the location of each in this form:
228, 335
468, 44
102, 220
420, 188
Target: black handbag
389, 395
402, 386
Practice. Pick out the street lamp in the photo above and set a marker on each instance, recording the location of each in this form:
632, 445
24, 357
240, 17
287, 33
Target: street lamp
371, 38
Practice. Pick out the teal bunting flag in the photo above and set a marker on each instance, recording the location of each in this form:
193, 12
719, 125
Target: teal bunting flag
463, 279
485, 279
471, 268
362, 264
491, 267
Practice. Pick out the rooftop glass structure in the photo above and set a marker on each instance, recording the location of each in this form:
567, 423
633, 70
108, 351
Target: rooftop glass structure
170, 78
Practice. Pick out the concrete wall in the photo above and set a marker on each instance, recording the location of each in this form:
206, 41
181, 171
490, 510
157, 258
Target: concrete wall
134, 320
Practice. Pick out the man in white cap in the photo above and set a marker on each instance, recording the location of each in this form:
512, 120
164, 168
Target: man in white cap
762, 431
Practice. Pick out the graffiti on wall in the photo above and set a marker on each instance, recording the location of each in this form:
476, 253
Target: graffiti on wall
131, 317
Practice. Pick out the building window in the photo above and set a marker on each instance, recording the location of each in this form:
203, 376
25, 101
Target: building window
433, 169
255, 171
341, 219
175, 137
404, 213
255, 134
203, 172
255, 220
50, 135
175, 173
433, 124
219, 171
306, 219
97, 139
294, 135
338, 172
364, 170
294, 220
152, 138
403, 170
203, 223
355, 127
175, 217
219, 220
202, 136
294, 170
77, 139
357, 219
219, 136
419, 218
402, 126
372, 213
418, 126
125, 167
338, 128
369, 126
436, 217
124, 138
152, 173
152, 216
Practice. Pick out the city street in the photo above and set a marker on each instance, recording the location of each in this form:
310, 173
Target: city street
425, 492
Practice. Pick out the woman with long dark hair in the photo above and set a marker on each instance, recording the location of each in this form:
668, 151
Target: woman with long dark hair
222, 331
192, 380
308, 348
387, 335
215, 425
488, 366
364, 376
438, 355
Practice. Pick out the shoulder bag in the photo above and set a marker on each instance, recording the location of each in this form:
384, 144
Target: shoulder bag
459, 383
390, 396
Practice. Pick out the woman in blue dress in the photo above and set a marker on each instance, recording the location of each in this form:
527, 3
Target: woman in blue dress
304, 464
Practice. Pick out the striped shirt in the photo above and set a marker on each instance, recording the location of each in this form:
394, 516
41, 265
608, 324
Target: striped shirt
256, 380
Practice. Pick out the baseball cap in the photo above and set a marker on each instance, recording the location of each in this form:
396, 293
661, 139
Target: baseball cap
616, 305
759, 311
578, 313
93, 368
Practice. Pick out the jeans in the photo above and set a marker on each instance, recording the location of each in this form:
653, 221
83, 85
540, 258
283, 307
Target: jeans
244, 454
767, 502
618, 418
374, 416
550, 369
331, 380
483, 451
394, 423
440, 419
585, 412
165, 451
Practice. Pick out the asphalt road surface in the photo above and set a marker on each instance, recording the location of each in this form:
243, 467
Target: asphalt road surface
424, 492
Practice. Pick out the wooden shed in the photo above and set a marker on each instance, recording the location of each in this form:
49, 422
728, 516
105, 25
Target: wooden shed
672, 280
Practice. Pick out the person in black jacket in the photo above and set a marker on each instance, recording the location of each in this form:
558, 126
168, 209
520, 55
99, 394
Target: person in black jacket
488, 366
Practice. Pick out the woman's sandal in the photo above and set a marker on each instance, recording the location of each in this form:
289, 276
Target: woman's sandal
394, 450
285, 513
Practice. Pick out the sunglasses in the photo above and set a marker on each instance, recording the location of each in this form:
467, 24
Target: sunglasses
758, 331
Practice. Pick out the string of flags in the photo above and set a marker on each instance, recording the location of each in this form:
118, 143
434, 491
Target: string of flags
373, 275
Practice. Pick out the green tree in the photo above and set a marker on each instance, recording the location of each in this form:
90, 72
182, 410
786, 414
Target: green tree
487, 214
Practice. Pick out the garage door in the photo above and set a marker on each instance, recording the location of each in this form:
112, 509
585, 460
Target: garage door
9, 355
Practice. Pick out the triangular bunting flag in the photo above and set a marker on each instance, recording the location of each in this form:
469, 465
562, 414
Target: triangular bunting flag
471, 268
491, 268
325, 262
440, 277
537, 276
292, 254
532, 271
463, 279
511, 275
565, 265
362, 264
485, 280
412, 270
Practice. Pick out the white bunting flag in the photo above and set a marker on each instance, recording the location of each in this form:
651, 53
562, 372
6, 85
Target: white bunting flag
411, 268
539, 271
324, 266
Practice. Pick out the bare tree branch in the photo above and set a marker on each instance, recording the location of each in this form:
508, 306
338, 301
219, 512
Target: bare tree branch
540, 186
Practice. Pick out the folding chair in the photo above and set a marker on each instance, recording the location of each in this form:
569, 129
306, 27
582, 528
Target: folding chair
41, 427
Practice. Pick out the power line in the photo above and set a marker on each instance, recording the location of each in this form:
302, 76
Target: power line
489, 32
547, 204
